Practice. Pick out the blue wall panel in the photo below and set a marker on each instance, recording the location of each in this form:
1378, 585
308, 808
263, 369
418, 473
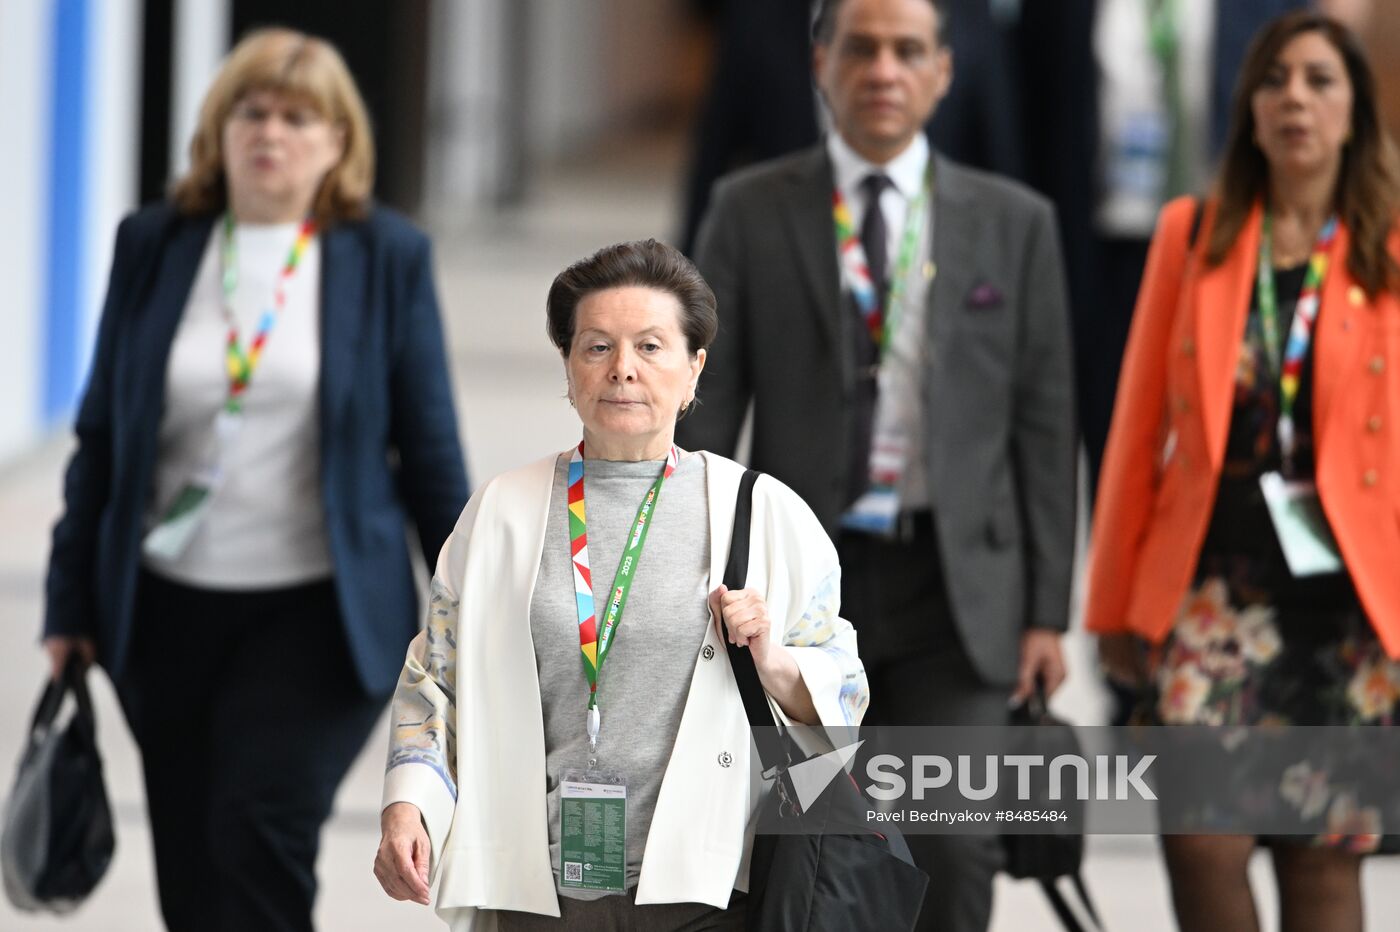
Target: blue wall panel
67, 240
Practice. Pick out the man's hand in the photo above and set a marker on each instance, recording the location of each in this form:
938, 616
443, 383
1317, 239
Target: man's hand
401, 864
1040, 658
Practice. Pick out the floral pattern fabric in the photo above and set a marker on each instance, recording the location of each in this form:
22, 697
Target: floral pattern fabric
1254, 646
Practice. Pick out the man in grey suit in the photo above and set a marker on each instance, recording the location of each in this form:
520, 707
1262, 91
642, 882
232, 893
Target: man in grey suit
898, 324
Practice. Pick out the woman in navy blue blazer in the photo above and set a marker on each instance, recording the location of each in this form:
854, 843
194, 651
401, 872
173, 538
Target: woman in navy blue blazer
269, 408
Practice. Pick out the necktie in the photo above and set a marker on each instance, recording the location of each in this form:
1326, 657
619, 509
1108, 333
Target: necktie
875, 241
874, 237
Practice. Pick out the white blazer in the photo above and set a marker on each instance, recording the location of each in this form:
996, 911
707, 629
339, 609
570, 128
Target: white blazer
481, 784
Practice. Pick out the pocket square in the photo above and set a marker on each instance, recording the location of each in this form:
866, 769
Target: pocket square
985, 296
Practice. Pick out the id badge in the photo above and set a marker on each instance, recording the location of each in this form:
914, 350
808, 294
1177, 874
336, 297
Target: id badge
592, 832
168, 539
1301, 526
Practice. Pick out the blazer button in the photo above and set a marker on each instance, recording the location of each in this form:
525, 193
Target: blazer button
1369, 478
1188, 347
725, 759
1182, 405
1377, 365
1373, 424
1356, 295
708, 653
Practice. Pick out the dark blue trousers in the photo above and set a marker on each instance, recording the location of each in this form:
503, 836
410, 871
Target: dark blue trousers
248, 715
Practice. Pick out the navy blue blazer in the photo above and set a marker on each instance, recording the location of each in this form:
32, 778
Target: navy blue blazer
389, 446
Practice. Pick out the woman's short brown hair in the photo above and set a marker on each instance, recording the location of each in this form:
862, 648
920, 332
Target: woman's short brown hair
1368, 188
300, 66
646, 264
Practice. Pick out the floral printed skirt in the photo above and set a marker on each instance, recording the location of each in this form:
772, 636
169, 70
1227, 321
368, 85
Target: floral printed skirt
1231, 663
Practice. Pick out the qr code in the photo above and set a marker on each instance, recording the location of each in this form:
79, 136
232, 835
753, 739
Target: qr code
573, 871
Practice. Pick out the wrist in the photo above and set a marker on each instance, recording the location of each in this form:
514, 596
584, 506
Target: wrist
778, 670
400, 813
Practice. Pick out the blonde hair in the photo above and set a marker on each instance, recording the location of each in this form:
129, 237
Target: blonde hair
301, 66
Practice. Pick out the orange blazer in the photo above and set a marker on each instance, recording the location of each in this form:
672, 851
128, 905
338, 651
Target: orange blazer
1172, 414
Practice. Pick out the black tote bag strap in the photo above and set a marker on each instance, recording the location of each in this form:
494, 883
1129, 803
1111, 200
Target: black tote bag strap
75, 675
1061, 905
50, 700
770, 745
74, 679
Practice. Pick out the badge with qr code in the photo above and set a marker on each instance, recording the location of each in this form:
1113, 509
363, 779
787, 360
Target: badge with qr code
592, 833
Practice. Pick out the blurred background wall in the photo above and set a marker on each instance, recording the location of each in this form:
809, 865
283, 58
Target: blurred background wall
469, 98
68, 166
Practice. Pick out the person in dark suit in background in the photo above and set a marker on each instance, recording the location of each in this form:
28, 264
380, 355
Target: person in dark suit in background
761, 104
1111, 86
269, 405
978, 122
907, 358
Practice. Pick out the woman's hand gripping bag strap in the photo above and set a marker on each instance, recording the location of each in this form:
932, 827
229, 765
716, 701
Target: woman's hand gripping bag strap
818, 869
57, 840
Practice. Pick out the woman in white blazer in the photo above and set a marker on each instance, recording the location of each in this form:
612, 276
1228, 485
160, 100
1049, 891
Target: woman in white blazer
536, 681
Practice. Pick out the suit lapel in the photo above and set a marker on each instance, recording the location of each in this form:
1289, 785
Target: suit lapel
954, 262
344, 265
807, 216
1221, 307
1336, 337
155, 323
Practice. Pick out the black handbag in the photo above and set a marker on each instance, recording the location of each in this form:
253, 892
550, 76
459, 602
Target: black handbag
57, 840
1052, 855
821, 868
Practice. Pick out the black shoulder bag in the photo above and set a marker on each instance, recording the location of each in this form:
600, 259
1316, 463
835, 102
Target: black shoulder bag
823, 868
1047, 857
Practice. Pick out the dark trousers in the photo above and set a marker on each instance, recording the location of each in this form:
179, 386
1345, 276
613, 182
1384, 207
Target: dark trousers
622, 914
920, 674
248, 715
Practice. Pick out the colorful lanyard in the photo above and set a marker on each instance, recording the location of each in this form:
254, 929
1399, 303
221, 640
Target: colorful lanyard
1290, 364
594, 643
240, 363
857, 270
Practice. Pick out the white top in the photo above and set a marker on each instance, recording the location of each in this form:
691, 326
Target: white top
265, 526
899, 408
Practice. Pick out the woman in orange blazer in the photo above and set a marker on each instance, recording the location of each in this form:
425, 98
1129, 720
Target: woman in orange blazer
1265, 349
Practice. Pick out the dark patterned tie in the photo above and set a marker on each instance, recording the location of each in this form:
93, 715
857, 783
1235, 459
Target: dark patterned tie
874, 235
874, 240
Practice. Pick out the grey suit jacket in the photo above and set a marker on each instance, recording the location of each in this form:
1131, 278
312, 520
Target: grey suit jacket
998, 390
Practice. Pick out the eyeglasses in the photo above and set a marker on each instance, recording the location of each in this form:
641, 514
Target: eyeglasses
255, 114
